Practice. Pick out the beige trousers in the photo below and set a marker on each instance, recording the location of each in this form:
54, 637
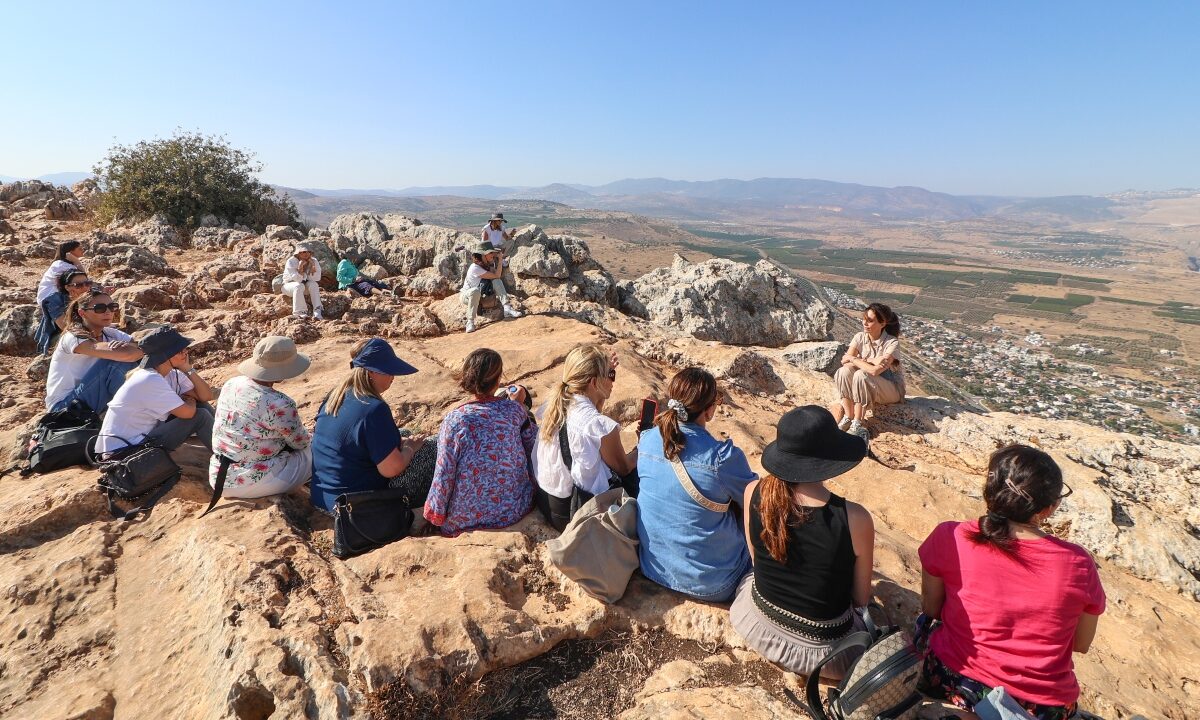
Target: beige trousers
865, 389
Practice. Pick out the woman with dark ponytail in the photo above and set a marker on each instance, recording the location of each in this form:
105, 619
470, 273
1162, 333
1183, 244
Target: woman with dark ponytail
1014, 601
51, 298
690, 538
812, 550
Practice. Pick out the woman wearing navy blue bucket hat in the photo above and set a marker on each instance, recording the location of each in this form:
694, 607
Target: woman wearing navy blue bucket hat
356, 445
812, 550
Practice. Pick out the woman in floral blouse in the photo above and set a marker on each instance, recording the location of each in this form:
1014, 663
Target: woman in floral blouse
257, 427
482, 478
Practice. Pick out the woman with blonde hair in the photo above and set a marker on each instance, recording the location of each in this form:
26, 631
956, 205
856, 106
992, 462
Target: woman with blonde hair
356, 445
812, 550
579, 450
690, 538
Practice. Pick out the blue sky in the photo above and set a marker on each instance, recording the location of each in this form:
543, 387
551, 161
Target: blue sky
1025, 98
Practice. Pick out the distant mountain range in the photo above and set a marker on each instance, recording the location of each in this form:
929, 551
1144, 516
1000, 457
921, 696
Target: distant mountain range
780, 199
62, 178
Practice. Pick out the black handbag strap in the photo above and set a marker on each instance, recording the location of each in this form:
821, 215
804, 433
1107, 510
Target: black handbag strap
93, 457
219, 485
144, 507
812, 688
564, 444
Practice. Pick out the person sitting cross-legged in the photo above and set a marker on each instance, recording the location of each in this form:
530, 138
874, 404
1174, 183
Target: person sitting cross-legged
258, 427
164, 401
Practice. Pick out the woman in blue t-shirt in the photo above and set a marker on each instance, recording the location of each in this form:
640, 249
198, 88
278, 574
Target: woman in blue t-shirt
689, 540
356, 446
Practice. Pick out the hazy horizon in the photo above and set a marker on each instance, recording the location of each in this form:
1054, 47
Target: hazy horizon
1031, 100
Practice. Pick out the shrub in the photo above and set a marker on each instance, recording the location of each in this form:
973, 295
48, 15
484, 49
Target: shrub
186, 177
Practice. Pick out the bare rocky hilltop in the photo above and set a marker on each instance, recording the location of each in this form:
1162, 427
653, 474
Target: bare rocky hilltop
245, 614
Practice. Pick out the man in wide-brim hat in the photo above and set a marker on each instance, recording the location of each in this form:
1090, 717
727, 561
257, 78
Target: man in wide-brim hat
258, 428
484, 268
812, 549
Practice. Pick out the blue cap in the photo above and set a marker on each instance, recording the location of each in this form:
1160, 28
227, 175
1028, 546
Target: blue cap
378, 356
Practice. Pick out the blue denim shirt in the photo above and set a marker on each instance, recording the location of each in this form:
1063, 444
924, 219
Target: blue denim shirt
684, 546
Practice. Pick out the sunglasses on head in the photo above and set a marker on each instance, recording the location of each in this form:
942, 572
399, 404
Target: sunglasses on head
1066, 491
102, 307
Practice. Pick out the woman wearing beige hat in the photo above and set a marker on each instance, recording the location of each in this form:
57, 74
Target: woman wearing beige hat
258, 428
301, 273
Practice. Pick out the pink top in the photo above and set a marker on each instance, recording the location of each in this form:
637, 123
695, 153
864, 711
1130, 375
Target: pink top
1011, 621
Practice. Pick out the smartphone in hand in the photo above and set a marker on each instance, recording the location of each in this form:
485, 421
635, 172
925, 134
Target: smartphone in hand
649, 410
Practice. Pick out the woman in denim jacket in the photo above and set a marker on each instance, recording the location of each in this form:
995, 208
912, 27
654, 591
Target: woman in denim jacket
690, 541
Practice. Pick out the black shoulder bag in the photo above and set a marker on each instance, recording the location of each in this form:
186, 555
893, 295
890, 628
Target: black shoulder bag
134, 471
60, 440
363, 521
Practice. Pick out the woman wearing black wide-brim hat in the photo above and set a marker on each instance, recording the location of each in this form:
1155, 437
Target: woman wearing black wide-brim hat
812, 550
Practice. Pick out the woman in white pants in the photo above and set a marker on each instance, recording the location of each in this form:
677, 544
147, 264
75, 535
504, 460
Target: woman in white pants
257, 427
301, 273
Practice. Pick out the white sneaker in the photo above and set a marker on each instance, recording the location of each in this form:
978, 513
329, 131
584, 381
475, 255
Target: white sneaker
470, 326
511, 313
300, 315
857, 428
844, 423
318, 315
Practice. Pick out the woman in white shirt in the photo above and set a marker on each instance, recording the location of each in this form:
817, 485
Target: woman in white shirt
598, 460
301, 273
91, 358
163, 401
484, 267
68, 258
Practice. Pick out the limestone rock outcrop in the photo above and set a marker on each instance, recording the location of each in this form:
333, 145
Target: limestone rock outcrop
17, 326
732, 302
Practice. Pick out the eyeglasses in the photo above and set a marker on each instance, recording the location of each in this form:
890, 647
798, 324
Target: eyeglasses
1066, 491
81, 283
102, 307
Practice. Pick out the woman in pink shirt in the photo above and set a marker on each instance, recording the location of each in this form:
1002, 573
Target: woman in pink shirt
1014, 602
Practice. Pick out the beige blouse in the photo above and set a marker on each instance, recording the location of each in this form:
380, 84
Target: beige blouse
873, 350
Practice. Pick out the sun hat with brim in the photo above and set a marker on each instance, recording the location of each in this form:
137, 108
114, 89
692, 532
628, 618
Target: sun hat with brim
161, 344
498, 216
378, 356
484, 248
304, 246
274, 359
809, 447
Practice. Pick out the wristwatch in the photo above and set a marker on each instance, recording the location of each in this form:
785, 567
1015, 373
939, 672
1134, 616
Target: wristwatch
190, 372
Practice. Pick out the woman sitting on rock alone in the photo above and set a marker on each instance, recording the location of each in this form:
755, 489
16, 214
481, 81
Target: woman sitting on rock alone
870, 374
71, 284
580, 452
1014, 602
482, 478
301, 273
690, 538
258, 427
164, 401
52, 298
812, 550
91, 358
356, 446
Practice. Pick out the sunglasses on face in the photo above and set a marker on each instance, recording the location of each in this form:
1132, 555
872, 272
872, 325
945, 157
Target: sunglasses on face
102, 307
1066, 491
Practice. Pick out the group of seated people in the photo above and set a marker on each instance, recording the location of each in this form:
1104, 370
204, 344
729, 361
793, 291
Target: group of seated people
1004, 602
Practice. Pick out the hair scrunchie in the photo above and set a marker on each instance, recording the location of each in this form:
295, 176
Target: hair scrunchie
679, 408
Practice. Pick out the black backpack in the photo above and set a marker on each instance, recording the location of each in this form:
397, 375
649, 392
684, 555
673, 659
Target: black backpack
882, 683
61, 439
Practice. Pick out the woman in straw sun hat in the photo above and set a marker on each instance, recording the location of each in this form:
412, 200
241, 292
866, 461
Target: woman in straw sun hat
812, 550
258, 428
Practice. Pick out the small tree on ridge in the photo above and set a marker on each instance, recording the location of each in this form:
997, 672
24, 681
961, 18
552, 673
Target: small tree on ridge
186, 177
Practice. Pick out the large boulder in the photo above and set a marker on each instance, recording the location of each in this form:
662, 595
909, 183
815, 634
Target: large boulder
17, 327
130, 262
279, 242
155, 233
824, 357
539, 261
731, 302
214, 239
64, 209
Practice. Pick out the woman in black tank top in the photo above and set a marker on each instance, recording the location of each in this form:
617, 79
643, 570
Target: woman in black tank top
812, 550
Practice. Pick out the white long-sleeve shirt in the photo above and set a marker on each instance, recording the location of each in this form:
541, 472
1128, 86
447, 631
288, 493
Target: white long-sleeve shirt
291, 271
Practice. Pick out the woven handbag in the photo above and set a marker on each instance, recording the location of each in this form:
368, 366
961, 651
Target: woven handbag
881, 684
